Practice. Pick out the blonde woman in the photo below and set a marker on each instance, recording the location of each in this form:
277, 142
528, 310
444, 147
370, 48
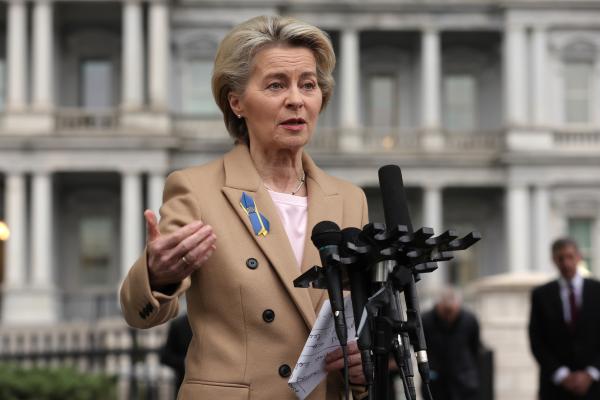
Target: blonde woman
234, 233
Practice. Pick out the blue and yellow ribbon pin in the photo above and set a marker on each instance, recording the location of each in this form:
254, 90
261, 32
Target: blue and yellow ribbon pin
259, 222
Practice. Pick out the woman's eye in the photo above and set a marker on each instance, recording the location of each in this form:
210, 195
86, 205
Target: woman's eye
309, 85
275, 85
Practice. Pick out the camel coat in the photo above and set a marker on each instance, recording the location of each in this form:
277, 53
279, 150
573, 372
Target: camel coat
249, 322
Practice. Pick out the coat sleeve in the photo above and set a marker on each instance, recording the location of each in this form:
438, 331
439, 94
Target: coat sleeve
141, 306
537, 336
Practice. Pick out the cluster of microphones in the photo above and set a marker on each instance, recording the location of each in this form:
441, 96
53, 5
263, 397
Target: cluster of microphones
377, 264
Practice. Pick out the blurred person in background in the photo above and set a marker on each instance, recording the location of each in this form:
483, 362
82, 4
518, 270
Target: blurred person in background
564, 329
453, 345
235, 233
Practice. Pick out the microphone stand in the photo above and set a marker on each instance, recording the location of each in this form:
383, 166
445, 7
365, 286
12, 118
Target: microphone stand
395, 259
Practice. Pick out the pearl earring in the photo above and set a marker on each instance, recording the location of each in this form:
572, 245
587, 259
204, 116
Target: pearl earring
239, 116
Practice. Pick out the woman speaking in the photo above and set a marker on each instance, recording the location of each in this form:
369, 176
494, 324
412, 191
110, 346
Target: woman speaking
235, 233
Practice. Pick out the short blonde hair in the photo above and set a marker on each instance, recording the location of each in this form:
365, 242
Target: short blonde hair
234, 57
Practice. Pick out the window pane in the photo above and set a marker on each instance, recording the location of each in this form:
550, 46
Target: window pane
382, 99
577, 92
96, 84
95, 234
459, 103
580, 229
196, 89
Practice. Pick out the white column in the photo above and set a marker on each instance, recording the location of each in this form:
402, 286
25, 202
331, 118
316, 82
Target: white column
517, 228
540, 75
433, 218
541, 226
133, 55
156, 183
41, 231
350, 89
131, 219
159, 54
515, 67
430, 79
16, 55
43, 41
15, 219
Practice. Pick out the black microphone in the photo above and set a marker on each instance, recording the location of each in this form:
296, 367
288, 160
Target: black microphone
326, 236
395, 208
359, 293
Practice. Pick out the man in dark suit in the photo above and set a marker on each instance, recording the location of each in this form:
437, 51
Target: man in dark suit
453, 344
564, 330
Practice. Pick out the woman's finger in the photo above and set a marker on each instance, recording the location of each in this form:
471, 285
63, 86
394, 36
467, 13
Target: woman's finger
185, 247
171, 240
199, 252
151, 226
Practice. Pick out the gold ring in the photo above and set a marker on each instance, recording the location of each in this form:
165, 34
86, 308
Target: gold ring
185, 261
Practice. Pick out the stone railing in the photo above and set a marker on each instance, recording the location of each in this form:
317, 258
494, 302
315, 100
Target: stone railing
79, 119
395, 139
108, 346
577, 139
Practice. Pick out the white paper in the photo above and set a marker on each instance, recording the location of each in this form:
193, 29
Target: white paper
310, 368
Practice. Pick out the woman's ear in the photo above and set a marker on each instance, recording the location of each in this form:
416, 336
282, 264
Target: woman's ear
235, 103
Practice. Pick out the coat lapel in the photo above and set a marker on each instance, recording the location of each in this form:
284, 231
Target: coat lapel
241, 176
324, 203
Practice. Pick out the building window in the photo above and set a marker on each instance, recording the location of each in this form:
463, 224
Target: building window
382, 109
581, 229
460, 94
578, 92
95, 233
96, 84
196, 88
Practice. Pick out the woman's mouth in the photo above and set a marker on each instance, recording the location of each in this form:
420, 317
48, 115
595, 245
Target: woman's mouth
293, 124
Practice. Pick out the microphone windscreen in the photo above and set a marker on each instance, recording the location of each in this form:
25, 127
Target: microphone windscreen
395, 206
326, 233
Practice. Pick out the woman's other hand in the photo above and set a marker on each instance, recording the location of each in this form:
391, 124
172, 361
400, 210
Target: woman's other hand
173, 257
334, 361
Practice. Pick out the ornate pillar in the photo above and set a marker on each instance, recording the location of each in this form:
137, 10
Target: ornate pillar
16, 55
433, 218
131, 219
540, 75
515, 67
43, 44
159, 54
133, 56
540, 235
156, 183
430, 88
350, 138
517, 218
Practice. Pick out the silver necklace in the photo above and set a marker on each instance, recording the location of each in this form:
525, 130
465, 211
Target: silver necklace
302, 180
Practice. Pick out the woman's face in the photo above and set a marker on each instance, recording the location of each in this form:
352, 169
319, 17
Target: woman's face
282, 99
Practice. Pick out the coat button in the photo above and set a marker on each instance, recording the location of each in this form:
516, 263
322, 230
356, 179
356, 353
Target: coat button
268, 315
252, 263
285, 371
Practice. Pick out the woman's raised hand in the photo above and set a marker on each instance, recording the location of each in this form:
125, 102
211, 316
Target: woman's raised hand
173, 257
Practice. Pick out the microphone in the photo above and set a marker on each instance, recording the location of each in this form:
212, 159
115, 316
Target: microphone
326, 236
359, 292
395, 208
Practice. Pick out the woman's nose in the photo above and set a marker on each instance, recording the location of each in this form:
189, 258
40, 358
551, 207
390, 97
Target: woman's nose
294, 99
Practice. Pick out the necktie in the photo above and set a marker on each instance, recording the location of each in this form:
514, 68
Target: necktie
572, 306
